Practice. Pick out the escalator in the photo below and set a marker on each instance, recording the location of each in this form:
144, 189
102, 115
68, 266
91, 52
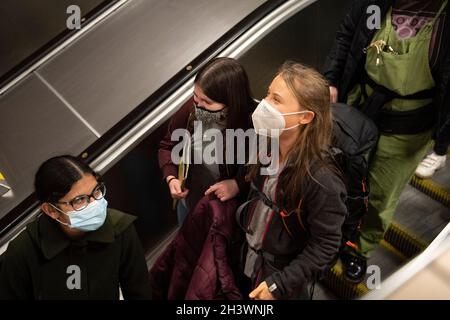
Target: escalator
261, 35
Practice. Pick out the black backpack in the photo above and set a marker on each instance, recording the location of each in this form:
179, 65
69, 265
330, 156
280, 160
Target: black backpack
354, 141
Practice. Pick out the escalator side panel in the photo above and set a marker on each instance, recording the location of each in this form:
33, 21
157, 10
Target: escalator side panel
31, 107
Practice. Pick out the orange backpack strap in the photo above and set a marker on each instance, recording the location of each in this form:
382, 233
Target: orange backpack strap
288, 219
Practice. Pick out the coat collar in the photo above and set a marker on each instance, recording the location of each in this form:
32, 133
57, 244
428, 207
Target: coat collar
52, 240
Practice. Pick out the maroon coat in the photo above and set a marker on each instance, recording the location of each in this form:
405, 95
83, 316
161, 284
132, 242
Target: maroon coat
199, 264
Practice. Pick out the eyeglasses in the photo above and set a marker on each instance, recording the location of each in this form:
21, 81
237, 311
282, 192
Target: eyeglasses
81, 202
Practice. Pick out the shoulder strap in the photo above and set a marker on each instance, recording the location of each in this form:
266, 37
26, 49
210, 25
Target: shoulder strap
285, 216
239, 212
424, 94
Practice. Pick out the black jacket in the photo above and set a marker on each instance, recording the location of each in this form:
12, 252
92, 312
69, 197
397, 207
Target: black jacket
40, 261
298, 248
345, 63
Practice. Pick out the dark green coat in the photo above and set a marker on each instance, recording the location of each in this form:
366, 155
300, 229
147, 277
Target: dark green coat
43, 263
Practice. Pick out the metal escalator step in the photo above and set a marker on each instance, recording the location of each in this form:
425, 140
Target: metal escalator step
417, 221
404, 240
437, 187
387, 258
388, 246
321, 292
421, 215
432, 189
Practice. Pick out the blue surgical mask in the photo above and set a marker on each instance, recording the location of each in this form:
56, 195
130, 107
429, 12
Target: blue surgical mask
90, 218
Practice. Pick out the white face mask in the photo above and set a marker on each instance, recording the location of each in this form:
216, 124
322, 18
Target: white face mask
270, 122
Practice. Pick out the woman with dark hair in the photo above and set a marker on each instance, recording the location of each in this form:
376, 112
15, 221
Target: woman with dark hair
294, 216
79, 248
222, 100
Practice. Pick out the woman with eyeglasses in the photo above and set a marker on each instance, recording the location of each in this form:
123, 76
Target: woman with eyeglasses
78, 248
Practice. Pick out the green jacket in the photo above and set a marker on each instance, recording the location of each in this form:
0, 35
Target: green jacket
43, 263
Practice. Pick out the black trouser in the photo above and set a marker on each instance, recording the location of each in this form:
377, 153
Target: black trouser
441, 147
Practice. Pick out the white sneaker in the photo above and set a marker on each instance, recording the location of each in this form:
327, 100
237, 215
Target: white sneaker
429, 165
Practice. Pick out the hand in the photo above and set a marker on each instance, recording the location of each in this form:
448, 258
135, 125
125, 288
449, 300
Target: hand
261, 292
224, 190
333, 94
175, 189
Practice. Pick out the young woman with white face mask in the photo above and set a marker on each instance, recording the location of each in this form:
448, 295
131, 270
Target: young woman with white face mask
295, 233
78, 248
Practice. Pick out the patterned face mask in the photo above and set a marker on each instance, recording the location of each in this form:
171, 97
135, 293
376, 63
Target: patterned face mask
208, 116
